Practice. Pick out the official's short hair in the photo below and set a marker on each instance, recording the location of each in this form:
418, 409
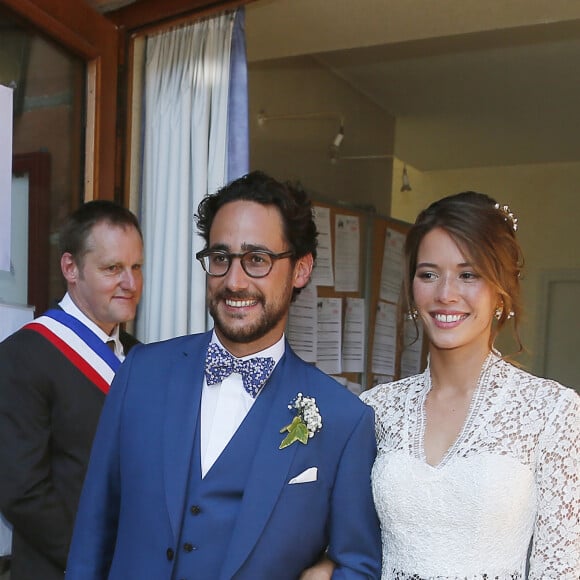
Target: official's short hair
77, 228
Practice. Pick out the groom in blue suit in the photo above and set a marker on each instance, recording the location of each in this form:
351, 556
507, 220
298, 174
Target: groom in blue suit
224, 455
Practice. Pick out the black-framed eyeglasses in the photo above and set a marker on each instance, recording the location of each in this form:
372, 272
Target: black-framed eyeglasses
255, 263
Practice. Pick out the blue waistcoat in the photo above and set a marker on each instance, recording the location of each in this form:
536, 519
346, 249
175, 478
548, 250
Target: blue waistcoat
212, 503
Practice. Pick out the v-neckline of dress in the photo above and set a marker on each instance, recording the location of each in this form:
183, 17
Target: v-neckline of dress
474, 407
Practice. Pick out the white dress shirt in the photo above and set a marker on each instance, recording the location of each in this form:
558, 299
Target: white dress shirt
71, 308
225, 405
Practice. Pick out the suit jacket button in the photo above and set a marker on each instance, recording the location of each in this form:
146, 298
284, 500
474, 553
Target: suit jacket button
170, 553
189, 547
195, 510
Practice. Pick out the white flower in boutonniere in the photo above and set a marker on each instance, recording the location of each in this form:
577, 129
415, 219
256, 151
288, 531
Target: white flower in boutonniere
306, 423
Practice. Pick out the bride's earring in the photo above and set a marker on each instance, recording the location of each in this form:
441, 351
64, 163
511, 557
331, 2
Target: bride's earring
499, 312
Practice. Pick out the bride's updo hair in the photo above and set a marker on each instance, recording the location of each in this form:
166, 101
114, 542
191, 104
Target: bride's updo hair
485, 232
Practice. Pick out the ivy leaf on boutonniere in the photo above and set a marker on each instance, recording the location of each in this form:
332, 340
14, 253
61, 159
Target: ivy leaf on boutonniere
297, 431
306, 422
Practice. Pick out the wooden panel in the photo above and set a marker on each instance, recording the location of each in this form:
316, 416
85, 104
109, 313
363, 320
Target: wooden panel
167, 12
90, 36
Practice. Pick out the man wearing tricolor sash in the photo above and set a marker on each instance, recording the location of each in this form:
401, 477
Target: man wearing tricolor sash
54, 375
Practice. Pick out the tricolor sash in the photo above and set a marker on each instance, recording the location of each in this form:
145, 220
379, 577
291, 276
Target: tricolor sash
80, 345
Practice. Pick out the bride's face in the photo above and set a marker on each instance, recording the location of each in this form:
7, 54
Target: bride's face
455, 304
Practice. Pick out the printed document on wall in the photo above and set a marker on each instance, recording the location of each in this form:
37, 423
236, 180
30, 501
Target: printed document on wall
322, 275
302, 324
353, 347
346, 253
329, 313
5, 174
392, 270
412, 349
384, 345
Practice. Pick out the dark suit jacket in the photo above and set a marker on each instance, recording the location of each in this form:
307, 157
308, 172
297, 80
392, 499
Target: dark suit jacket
48, 416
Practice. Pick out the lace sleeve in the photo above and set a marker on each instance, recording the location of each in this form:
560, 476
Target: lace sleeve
556, 544
388, 402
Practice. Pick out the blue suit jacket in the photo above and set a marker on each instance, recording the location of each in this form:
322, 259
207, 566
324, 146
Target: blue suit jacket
132, 503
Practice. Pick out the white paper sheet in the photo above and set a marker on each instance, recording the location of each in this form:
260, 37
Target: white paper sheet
355, 388
14, 284
411, 355
329, 335
392, 269
301, 330
5, 174
346, 253
322, 275
382, 379
353, 343
384, 345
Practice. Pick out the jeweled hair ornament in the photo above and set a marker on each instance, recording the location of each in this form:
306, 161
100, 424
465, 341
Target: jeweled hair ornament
508, 215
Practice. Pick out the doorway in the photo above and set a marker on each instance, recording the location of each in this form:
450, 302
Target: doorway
559, 332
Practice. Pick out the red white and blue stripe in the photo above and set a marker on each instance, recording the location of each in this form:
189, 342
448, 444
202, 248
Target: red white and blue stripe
80, 345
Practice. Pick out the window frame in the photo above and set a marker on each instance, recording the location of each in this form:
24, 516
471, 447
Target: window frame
90, 36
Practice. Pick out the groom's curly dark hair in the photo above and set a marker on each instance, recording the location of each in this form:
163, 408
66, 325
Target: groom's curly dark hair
293, 203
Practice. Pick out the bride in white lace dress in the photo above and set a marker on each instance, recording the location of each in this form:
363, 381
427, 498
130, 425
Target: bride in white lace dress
477, 459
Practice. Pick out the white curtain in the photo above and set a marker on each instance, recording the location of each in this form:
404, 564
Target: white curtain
184, 158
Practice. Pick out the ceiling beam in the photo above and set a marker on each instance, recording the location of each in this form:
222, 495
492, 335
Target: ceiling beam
147, 13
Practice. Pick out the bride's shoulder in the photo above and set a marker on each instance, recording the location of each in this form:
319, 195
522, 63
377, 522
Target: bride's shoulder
538, 396
535, 387
392, 392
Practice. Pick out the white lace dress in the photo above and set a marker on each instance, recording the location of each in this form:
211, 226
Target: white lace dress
512, 473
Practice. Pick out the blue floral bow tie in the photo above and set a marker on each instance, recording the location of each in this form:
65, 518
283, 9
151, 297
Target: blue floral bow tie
220, 364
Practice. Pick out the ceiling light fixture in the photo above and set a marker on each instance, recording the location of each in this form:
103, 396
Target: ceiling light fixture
406, 186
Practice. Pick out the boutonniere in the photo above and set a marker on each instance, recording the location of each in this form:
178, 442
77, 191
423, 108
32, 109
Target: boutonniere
306, 422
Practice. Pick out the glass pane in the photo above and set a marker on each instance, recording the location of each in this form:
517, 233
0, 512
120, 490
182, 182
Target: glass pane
49, 97
14, 284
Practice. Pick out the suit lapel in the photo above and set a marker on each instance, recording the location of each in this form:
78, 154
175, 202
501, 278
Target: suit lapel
183, 401
269, 470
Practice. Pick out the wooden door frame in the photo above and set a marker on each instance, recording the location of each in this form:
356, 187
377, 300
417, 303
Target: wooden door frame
102, 41
37, 167
90, 36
